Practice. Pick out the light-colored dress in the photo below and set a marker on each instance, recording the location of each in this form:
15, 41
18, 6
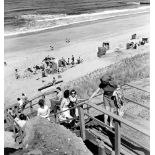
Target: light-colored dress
21, 123
44, 112
64, 106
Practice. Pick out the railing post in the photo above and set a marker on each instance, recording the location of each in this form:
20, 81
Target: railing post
56, 117
101, 149
117, 138
82, 122
88, 109
31, 108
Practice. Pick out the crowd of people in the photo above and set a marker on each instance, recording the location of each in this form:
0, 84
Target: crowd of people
64, 103
49, 65
61, 102
16, 111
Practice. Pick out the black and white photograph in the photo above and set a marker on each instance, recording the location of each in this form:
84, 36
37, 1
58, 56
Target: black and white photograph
76, 77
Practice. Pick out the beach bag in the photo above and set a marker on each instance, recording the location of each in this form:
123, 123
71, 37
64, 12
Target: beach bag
118, 98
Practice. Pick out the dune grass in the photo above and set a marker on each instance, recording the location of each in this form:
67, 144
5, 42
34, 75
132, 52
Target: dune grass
127, 70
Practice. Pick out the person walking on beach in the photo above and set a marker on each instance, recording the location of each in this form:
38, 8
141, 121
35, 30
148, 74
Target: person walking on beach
68, 62
17, 74
67, 40
43, 110
54, 81
72, 60
107, 86
52, 47
5, 64
25, 100
63, 62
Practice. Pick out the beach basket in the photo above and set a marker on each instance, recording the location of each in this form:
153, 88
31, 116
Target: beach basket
134, 36
106, 45
101, 51
145, 40
128, 46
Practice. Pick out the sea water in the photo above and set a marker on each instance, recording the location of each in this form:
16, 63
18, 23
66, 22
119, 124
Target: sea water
22, 16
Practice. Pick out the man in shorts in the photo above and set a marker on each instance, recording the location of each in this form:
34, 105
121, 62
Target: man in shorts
107, 86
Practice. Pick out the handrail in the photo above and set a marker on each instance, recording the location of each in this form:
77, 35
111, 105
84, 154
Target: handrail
137, 103
47, 93
100, 122
116, 117
120, 119
109, 128
136, 87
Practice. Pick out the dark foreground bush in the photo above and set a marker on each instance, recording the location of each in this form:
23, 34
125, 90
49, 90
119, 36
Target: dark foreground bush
52, 139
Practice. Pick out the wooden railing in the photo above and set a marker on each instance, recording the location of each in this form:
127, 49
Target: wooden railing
118, 121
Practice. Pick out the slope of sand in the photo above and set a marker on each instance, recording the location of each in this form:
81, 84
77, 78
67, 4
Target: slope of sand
26, 51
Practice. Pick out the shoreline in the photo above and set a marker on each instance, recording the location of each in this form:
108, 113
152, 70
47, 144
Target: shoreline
119, 13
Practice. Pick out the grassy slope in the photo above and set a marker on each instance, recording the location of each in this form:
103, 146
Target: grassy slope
127, 70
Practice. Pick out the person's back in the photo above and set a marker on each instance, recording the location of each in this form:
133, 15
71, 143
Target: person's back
108, 86
43, 112
21, 121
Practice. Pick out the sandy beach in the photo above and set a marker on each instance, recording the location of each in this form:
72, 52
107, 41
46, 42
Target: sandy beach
29, 50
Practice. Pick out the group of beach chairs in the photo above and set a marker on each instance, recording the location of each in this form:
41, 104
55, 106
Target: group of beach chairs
102, 50
135, 43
